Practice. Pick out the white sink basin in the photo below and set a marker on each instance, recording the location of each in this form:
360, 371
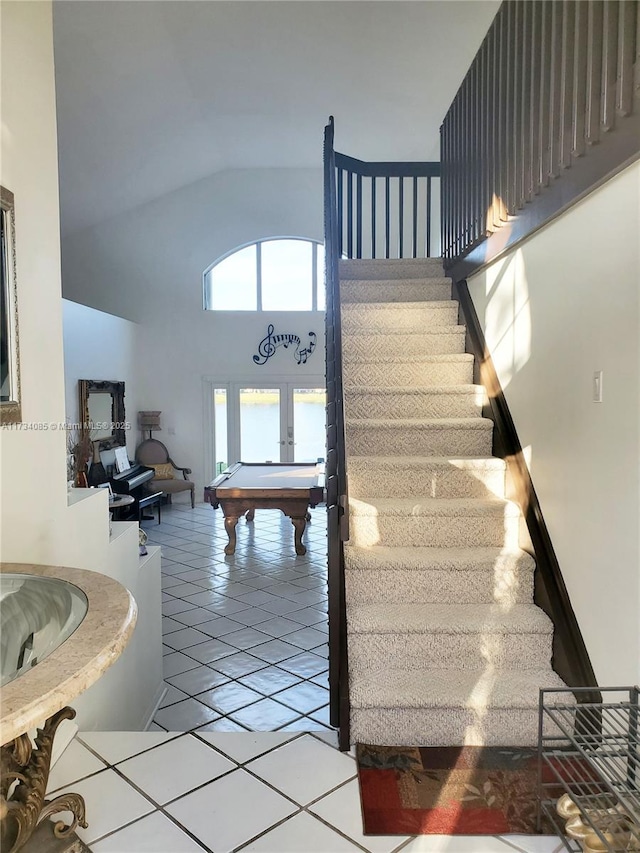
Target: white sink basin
73, 622
37, 615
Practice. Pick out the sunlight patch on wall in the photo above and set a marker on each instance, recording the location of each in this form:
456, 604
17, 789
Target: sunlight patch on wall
508, 316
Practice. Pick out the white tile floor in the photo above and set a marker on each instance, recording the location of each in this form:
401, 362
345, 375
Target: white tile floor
241, 756
217, 792
245, 636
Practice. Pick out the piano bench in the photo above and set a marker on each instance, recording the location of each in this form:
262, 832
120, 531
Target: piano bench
154, 499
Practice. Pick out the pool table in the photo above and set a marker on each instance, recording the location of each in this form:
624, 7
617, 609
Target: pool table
247, 486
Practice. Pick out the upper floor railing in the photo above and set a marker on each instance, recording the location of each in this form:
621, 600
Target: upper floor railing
549, 108
387, 210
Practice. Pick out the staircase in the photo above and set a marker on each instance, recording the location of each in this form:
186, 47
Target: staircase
445, 643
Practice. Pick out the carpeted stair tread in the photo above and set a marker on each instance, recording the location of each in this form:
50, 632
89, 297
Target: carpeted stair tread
356, 308
502, 727
426, 425
420, 559
395, 290
392, 464
390, 268
447, 688
397, 316
399, 283
507, 584
436, 331
467, 389
416, 437
489, 508
380, 574
439, 340
421, 371
433, 436
423, 618
463, 400
433, 476
417, 359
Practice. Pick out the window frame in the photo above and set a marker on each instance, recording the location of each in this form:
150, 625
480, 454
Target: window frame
317, 276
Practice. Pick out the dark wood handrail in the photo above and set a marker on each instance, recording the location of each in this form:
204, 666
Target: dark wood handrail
336, 472
390, 169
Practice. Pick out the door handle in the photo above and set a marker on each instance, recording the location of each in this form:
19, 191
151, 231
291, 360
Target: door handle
281, 442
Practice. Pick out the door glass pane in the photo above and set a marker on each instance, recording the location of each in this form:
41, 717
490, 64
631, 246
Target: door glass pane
286, 275
260, 424
220, 415
309, 424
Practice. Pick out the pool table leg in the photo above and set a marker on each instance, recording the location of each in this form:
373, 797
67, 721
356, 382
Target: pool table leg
299, 524
250, 514
230, 522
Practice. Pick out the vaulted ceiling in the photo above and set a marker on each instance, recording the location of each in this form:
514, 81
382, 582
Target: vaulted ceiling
154, 95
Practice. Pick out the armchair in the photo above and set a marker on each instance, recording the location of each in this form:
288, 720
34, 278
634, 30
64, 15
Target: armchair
154, 454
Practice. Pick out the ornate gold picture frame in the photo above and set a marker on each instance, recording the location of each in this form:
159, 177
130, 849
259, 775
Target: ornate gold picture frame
10, 405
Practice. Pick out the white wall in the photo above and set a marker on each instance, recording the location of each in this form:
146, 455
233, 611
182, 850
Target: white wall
563, 305
147, 266
33, 456
101, 347
40, 523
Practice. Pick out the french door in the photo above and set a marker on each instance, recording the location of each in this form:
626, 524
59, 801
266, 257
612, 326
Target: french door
271, 422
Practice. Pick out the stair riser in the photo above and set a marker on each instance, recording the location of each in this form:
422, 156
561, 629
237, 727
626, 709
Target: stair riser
435, 532
436, 482
364, 440
419, 405
448, 651
377, 586
394, 320
445, 727
362, 347
385, 270
409, 290
410, 374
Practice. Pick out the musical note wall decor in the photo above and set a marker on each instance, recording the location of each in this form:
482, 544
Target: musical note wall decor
269, 344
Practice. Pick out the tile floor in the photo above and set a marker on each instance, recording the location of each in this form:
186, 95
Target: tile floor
240, 755
245, 636
217, 792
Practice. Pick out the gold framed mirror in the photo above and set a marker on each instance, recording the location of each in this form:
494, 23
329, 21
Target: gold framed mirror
10, 405
102, 411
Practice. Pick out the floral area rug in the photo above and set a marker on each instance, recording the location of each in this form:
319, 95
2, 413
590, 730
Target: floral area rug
449, 790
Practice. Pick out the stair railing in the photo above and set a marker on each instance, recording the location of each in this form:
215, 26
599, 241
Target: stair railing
336, 471
548, 110
387, 210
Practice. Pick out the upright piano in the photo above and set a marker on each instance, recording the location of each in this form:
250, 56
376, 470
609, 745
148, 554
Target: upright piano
135, 481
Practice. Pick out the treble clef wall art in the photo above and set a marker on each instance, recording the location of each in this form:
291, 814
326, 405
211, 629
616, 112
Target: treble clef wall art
269, 344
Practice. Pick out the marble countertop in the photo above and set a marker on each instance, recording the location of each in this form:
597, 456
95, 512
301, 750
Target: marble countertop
70, 669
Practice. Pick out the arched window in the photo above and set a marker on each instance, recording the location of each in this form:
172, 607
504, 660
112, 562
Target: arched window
279, 274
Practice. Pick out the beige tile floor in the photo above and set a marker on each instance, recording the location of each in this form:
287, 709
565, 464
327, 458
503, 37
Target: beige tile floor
240, 756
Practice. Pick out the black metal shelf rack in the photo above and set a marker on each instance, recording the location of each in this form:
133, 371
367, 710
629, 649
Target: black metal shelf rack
589, 759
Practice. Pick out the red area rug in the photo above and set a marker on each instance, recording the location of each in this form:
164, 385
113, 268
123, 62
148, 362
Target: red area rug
449, 790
